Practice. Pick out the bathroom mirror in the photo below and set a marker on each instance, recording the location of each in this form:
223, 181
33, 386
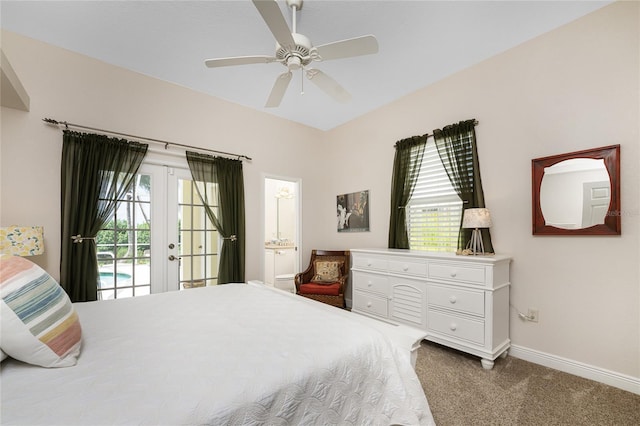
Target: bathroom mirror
577, 193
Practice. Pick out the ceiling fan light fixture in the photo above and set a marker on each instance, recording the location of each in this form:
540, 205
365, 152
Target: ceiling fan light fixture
294, 63
301, 50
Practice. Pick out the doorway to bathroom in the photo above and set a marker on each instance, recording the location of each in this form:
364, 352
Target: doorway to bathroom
282, 212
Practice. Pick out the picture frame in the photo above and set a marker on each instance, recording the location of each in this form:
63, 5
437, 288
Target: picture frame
353, 212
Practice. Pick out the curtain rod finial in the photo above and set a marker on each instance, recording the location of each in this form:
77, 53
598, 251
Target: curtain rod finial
56, 122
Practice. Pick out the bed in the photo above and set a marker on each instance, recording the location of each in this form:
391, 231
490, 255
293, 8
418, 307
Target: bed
232, 354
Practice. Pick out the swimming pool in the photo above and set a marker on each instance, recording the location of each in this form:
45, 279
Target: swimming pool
107, 278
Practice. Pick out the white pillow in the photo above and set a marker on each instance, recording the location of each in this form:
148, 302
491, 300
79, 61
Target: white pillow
39, 325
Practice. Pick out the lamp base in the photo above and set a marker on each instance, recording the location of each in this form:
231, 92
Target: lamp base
475, 246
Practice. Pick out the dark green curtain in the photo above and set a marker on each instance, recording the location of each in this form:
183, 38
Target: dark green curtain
457, 148
96, 172
406, 169
230, 220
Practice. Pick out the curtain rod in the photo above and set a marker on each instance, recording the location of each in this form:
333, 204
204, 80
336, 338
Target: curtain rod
428, 135
165, 143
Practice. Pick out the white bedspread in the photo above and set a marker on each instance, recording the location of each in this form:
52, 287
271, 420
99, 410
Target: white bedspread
227, 355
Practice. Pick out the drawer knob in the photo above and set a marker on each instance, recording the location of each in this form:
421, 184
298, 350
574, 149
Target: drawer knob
453, 326
369, 283
405, 268
453, 299
368, 304
453, 274
368, 263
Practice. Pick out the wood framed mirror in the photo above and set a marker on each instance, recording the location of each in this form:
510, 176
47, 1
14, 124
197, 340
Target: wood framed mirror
577, 193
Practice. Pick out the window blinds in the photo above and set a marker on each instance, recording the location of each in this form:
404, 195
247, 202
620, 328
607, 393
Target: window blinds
434, 211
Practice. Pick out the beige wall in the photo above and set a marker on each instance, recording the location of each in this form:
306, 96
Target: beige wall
571, 89
67, 86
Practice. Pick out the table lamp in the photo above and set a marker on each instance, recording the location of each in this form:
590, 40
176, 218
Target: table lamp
476, 219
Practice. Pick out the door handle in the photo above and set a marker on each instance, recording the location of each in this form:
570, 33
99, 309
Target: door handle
172, 257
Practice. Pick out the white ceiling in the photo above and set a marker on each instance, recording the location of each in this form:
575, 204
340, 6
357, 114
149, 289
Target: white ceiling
420, 43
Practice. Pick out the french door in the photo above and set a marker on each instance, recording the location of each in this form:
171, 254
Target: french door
160, 238
193, 243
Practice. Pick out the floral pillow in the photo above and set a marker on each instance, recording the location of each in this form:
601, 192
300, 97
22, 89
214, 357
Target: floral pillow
327, 272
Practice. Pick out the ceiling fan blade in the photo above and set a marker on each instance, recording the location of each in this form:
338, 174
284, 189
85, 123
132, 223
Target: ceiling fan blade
365, 45
276, 22
328, 85
279, 89
239, 60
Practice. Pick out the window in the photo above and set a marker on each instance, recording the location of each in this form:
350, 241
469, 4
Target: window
434, 211
124, 245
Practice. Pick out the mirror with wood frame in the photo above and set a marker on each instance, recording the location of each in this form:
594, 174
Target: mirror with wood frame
577, 193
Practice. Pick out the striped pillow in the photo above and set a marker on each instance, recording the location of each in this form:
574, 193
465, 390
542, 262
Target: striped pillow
39, 324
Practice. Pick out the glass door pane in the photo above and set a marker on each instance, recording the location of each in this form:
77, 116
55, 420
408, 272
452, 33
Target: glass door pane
197, 237
124, 245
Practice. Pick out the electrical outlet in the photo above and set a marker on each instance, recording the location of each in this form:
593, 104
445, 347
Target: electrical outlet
532, 315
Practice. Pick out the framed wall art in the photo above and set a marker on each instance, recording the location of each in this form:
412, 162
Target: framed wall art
353, 212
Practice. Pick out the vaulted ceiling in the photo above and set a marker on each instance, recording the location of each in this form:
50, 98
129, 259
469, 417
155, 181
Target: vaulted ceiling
420, 42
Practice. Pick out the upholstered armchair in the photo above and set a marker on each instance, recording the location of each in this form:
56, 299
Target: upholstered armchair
325, 278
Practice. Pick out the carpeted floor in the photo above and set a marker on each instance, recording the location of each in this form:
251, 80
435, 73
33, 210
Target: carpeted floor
516, 392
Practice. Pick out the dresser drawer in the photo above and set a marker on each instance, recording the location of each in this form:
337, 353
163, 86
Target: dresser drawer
370, 282
362, 261
410, 268
467, 301
455, 326
459, 273
370, 303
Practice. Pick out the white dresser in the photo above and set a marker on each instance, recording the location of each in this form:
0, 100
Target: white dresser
459, 301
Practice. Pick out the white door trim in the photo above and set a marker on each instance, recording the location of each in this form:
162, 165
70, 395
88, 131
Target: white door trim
298, 203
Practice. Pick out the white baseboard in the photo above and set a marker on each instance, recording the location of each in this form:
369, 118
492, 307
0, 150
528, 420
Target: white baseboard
611, 378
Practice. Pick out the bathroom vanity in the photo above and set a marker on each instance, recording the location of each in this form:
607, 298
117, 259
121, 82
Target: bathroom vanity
278, 260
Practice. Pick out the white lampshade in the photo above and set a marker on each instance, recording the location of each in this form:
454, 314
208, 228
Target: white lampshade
476, 218
22, 240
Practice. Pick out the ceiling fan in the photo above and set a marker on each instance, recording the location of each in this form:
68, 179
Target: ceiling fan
295, 51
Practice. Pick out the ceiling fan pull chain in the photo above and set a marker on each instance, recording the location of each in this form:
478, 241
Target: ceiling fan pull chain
302, 81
